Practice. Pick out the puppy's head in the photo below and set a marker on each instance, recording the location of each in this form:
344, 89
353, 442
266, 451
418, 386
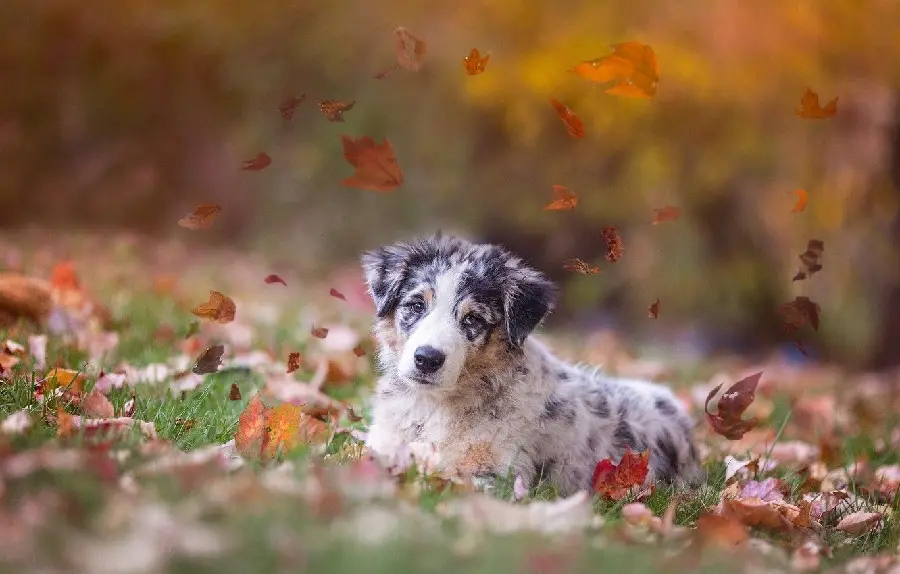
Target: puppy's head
446, 307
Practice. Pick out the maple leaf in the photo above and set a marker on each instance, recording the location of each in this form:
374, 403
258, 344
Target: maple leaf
732, 404
337, 294
261, 161
202, 217
579, 266
667, 213
235, 393
474, 63
250, 437
653, 312
410, 50
209, 361
293, 362
614, 247
573, 124
376, 166
96, 405
563, 199
319, 332
802, 198
359, 351
614, 481
810, 260
811, 110
632, 67
334, 109
289, 105
275, 279
288, 427
220, 308
797, 312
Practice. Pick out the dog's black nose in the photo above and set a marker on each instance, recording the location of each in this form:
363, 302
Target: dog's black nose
428, 359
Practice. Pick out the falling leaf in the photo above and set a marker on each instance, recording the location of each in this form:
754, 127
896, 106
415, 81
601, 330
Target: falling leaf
474, 63
220, 308
614, 481
731, 406
797, 312
209, 361
810, 260
258, 163
293, 362
337, 294
579, 266
802, 198
289, 105
359, 351
653, 312
859, 523
64, 277
632, 66
667, 213
410, 50
202, 217
95, 405
275, 279
334, 109
319, 332
573, 124
614, 247
376, 166
563, 199
235, 393
810, 109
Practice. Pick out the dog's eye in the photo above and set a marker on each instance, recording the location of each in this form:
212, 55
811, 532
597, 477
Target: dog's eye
472, 321
417, 306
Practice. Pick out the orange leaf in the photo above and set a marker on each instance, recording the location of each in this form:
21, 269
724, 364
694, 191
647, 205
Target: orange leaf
73, 381
275, 279
220, 308
573, 124
288, 427
337, 294
615, 481
409, 49
756, 512
334, 109
632, 66
732, 404
235, 393
667, 213
260, 162
614, 247
250, 437
721, 531
95, 405
653, 312
563, 199
474, 63
810, 109
579, 266
289, 105
319, 332
202, 217
376, 166
802, 198
293, 362
64, 277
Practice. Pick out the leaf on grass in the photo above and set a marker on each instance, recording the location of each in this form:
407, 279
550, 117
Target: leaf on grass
667, 213
578, 266
564, 199
319, 332
289, 105
474, 63
859, 523
359, 351
376, 165
337, 294
220, 308
288, 427
293, 362
614, 247
250, 437
209, 361
95, 405
810, 260
802, 198
756, 513
261, 161
573, 124
185, 424
202, 217
731, 406
352, 416
235, 393
632, 66
68, 379
653, 312
274, 279
614, 481
797, 312
721, 531
334, 109
410, 50
811, 110
130, 406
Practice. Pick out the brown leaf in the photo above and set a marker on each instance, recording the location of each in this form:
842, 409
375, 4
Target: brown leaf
185, 424
289, 105
235, 393
802, 198
354, 418
474, 63
293, 362
578, 266
258, 163
859, 522
573, 124
632, 66
797, 312
563, 199
810, 260
667, 213
209, 361
202, 217
220, 308
615, 481
811, 110
275, 279
376, 166
614, 247
95, 405
337, 294
653, 312
756, 513
334, 109
410, 50
731, 406
359, 351
319, 332
721, 531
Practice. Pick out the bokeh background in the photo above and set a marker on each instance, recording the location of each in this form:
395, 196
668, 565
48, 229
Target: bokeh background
121, 115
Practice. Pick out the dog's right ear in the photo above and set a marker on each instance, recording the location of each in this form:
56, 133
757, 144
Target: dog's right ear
385, 271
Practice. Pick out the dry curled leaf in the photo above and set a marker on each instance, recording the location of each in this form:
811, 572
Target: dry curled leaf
573, 124
731, 406
810, 260
235, 393
653, 311
811, 110
336, 294
319, 332
209, 360
667, 213
289, 105
261, 161
797, 312
293, 362
376, 166
802, 198
578, 266
614, 247
757, 513
219, 309
202, 217
632, 67
564, 199
410, 50
614, 481
95, 405
474, 63
334, 109
275, 279
859, 522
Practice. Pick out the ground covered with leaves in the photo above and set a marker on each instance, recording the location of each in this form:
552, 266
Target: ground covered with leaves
161, 412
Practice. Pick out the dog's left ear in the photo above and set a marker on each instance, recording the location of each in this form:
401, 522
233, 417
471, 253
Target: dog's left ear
385, 271
529, 296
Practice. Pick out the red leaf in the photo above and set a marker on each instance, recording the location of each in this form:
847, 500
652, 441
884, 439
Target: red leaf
261, 161
376, 166
337, 294
615, 481
573, 124
732, 404
289, 105
275, 279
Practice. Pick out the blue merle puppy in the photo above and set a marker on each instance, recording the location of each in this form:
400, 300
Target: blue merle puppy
461, 372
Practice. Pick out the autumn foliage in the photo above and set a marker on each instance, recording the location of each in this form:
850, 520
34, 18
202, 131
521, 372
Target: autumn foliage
615, 481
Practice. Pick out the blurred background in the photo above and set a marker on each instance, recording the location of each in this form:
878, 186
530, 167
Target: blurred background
123, 115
